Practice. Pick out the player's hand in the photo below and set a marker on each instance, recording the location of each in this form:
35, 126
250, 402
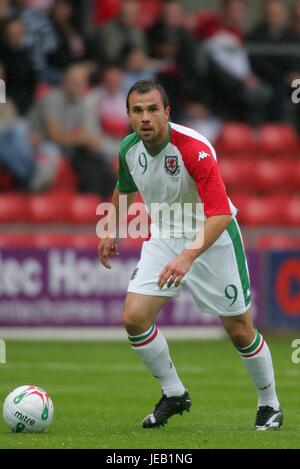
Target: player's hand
107, 248
174, 271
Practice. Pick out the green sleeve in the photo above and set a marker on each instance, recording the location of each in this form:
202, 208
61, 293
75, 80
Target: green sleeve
126, 183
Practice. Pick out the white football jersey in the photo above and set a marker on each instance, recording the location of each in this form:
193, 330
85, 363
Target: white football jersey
181, 184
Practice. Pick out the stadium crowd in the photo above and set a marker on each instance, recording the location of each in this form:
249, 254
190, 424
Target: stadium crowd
68, 65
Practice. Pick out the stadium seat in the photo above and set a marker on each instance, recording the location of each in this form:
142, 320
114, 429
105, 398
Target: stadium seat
13, 207
293, 175
7, 182
236, 138
260, 176
66, 178
114, 127
278, 139
277, 241
105, 10
237, 173
115, 165
271, 174
151, 11
291, 215
42, 90
83, 208
202, 16
53, 207
260, 211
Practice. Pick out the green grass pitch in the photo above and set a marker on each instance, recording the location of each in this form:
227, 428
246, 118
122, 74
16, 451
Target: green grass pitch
101, 392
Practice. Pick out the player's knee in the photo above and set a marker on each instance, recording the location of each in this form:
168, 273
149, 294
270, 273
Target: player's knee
132, 322
241, 336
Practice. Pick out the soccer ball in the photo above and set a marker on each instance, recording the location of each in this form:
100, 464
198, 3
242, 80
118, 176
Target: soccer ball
28, 409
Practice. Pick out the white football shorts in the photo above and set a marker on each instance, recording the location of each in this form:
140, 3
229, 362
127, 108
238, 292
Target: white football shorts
218, 279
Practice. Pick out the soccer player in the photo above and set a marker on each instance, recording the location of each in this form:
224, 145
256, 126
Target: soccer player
169, 163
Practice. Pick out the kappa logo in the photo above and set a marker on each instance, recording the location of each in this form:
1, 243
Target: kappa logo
202, 155
134, 273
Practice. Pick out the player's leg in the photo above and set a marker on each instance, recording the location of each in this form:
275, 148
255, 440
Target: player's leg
140, 312
257, 359
219, 281
139, 315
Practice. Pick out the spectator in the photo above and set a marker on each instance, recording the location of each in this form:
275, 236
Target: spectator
44, 5
70, 41
20, 75
4, 15
106, 110
105, 10
111, 38
60, 123
294, 46
295, 20
16, 154
268, 46
167, 35
40, 36
237, 92
137, 66
198, 116
169, 42
294, 39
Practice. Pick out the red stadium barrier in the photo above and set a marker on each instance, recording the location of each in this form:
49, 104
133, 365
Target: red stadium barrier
16, 240
13, 207
279, 241
45, 240
85, 241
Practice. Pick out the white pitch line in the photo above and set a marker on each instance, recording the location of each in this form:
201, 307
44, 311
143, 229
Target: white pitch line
104, 333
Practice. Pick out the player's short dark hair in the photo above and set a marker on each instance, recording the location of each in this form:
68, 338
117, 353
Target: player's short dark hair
144, 86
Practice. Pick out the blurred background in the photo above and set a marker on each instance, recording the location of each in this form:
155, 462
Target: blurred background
228, 67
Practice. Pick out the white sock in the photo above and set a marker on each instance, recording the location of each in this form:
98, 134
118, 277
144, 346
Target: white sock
153, 350
258, 362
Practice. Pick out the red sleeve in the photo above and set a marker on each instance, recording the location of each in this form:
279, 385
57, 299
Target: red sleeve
203, 168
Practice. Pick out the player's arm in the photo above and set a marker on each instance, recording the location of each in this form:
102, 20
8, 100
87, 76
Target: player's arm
107, 246
212, 230
178, 267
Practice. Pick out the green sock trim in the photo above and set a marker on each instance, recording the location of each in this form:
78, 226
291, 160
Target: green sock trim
141, 338
251, 348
